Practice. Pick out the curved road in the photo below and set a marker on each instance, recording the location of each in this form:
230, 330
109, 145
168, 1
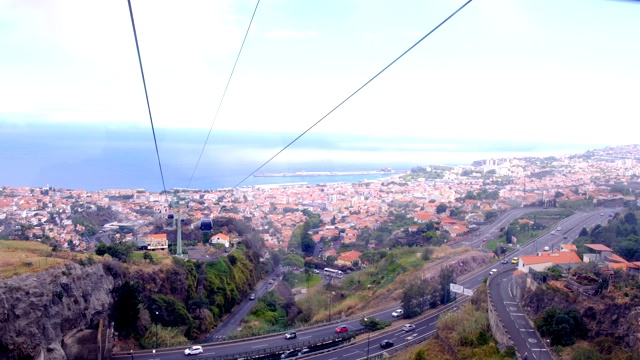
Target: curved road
502, 287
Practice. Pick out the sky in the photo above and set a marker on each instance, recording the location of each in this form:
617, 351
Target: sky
544, 71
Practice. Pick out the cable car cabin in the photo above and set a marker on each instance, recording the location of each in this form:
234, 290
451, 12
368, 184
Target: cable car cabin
182, 221
206, 225
170, 216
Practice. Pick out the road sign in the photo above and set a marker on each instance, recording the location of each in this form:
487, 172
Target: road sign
468, 292
456, 288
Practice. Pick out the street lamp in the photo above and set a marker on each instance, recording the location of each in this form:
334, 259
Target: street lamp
156, 329
368, 336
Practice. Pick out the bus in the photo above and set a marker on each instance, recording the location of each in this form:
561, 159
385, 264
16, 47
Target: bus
333, 272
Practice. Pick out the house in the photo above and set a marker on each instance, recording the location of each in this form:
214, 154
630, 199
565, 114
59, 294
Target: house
547, 260
330, 252
156, 241
220, 238
347, 258
423, 217
602, 253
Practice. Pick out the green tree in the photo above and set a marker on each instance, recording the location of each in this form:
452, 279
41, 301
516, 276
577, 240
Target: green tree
561, 326
101, 249
147, 256
293, 260
583, 232
442, 207
491, 215
630, 219
126, 309
446, 277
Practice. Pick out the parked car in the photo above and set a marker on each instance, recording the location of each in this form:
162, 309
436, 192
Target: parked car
515, 260
304, 351
546, 248
195, 349
289, 354
290, 335
386, 344
565, 237
408, 327
252, 297
341, 329
316, 271
397, 313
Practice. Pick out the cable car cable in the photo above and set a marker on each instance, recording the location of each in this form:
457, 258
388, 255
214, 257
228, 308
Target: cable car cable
146, 94
223, 94
355, 92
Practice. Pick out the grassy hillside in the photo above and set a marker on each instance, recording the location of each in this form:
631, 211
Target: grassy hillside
23, 257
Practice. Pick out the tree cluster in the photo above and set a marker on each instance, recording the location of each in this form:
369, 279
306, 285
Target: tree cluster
422, 294
561, 326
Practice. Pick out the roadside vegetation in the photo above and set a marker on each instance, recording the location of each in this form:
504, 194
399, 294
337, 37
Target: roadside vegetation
526, 228
464, 334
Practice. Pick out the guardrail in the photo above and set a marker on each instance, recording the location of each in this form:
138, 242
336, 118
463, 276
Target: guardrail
274, 352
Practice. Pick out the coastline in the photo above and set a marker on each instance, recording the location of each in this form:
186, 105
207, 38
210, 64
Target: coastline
333, 173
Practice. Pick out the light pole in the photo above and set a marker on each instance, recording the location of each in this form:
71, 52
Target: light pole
368, 336
156, 329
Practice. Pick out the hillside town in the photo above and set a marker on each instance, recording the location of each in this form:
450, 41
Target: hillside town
455, 197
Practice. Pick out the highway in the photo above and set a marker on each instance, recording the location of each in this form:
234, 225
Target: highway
425, 324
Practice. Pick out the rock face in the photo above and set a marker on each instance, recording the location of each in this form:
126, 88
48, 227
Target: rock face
602, 316
38, 310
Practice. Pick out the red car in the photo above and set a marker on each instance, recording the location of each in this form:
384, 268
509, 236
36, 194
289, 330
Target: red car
341, 329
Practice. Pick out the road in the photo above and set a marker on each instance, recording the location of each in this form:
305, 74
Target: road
502, 287
425, 325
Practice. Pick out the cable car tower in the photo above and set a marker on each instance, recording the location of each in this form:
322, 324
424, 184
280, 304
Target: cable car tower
178, 225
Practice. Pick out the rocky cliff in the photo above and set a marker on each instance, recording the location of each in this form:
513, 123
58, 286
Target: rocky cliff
40, 314
603, 315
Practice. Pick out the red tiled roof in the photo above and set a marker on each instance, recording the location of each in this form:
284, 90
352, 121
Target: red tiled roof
597, 247
349, 256
567, 257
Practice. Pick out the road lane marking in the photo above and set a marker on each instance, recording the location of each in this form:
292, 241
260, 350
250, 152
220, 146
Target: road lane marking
349, 355
526, 329
259, 346
510, 302
305, 337
516, 313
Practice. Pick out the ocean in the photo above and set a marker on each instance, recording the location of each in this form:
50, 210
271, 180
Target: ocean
92, 157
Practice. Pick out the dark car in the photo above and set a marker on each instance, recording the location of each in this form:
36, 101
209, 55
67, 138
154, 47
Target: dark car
290, 335
341, 329
386, 344
304, 351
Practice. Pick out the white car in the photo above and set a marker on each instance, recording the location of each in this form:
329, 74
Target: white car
196, 349
408, 327
397, 313
493, 271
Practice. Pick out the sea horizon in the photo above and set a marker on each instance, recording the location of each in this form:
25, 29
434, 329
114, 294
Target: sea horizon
94, 157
